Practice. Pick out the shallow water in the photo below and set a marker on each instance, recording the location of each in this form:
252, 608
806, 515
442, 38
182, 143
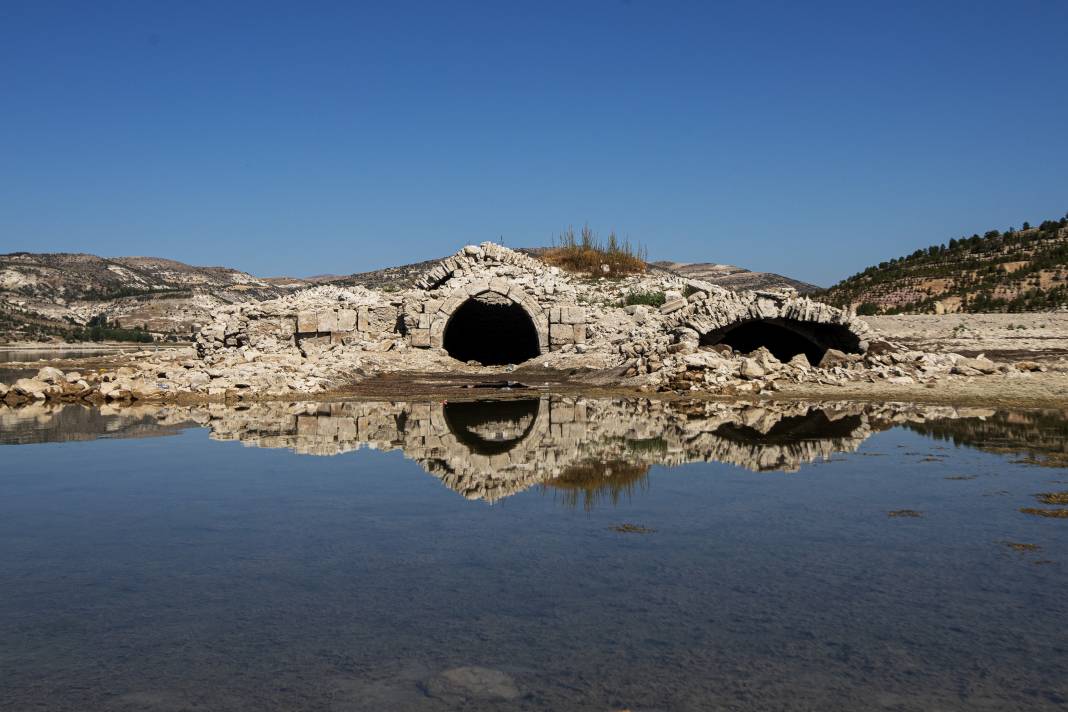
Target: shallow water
29, 361
541, 554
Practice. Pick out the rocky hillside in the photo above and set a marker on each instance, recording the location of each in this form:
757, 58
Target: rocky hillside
45, 296
1012, 271
735, 278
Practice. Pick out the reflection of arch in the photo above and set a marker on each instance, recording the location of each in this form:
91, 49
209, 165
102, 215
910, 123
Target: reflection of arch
510, 421
793, 429
785, 338
493, 290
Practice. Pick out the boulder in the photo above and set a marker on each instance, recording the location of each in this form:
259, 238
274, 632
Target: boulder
767, 360
751, 369
48, 374
31, 388
673, 306
1028, 366
833, 358
981, 364
878, 347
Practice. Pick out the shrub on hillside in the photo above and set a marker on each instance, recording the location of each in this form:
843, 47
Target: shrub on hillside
649, 299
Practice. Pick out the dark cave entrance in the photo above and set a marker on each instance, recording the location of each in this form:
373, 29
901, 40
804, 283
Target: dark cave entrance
492, 330
785, 338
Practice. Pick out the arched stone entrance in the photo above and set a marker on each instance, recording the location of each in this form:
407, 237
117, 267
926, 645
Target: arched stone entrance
492, 323
492, 330
785, 338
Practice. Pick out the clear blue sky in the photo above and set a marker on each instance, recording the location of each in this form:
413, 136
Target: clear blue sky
293, 138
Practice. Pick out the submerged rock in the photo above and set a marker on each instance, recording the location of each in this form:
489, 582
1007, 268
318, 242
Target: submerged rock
473, 682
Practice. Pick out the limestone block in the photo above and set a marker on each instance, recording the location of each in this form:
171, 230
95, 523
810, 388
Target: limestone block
478, 287
307, 322
346, 319
307, 425
499, 285
673, 306
562, 413
561, 334
346, 429
554, 315
287, 326
580, 333
572, 315
327, 321
363, 321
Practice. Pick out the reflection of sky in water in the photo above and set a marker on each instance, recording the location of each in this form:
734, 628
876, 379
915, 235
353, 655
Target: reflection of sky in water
171, 572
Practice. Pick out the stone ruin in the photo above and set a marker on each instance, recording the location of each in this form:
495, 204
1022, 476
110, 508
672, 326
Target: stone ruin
488, 305
487, 310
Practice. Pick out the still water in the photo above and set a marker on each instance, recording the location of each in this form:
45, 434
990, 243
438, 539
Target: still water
543, 553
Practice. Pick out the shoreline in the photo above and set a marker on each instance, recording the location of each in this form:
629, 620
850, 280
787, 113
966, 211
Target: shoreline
1038, 393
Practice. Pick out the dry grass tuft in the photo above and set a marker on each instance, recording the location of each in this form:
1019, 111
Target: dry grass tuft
587, 254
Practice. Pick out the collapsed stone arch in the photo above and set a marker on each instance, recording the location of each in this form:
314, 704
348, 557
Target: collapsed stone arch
493, 323
784, 338
783, 323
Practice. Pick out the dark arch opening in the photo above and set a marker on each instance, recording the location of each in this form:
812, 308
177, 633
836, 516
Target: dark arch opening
491, 427
492, 330
785, 338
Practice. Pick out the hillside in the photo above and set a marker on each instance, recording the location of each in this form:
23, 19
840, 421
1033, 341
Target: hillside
50, 295
1012, 271
736, 278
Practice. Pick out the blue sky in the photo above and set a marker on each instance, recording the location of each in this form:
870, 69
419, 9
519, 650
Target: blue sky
811, 139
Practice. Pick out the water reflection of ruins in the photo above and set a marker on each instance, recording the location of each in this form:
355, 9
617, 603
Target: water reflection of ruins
586, 449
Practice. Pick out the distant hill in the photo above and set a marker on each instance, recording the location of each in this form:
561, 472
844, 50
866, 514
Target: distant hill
50, 295
1011, 271
736, 278
727, 276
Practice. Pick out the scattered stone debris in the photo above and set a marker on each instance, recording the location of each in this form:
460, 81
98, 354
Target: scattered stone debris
628, 528
1052, 497
904, 513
